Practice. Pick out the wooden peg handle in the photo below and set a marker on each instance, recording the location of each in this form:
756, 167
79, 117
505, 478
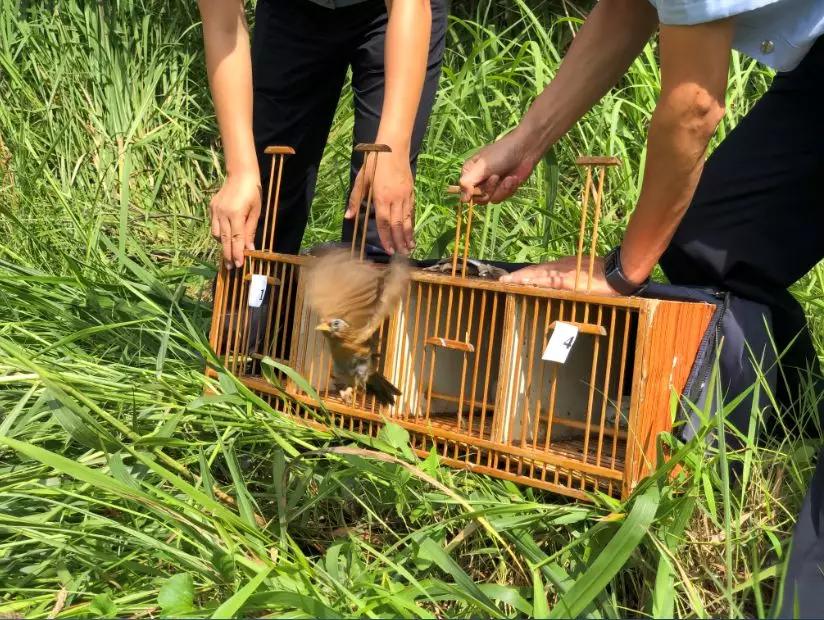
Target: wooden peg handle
372, 148
446, 343
279, 150
456, 189
584, 328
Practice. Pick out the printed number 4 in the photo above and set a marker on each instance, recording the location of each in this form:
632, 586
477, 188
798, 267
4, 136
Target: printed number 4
569, 342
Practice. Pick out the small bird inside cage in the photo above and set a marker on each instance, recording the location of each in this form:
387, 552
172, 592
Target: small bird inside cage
353, 298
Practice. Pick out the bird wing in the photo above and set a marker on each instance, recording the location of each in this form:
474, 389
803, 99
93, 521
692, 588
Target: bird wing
393, 287
340, 286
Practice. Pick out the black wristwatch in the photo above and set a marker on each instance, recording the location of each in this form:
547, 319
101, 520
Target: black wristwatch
616, 278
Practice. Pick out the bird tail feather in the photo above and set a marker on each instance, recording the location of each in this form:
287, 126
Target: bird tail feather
383, 391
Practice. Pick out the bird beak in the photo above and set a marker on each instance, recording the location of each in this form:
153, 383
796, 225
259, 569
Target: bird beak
323, 327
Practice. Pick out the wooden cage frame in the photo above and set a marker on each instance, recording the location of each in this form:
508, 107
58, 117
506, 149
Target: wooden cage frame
493, 405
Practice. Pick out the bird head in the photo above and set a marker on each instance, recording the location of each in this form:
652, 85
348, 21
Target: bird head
332, 327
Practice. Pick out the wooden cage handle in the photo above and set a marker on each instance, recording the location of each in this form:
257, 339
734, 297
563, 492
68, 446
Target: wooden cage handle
591, 162
477, 193
371, 153
279, 154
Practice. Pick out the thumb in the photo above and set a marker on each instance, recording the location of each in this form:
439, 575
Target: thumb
250, 228
473, 174
356, 197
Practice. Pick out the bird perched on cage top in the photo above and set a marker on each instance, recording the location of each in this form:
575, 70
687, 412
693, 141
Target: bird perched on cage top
353, 298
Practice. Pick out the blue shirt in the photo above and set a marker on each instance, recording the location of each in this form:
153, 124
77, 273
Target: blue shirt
778, 33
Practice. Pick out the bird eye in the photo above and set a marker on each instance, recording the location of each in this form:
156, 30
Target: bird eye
336, 324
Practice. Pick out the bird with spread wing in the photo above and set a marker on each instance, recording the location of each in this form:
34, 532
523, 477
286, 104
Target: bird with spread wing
353, 298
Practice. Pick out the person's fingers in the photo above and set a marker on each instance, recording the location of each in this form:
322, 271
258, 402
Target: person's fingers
238, 240
396, 226
225, 235
552, 279
472, 174
215, 225
356, 197
250, 227
488, 187
522, 276
385, 231
504, 190
409, 222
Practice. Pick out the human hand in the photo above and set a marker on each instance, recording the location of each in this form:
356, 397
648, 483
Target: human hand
560, 274
498, 169
394, 200
235, 211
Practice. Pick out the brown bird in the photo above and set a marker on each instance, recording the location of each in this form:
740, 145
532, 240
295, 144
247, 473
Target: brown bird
353, 298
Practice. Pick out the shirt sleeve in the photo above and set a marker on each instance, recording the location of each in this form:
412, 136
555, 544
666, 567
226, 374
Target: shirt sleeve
691, 12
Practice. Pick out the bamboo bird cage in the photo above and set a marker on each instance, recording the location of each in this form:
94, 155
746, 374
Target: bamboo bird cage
469, 356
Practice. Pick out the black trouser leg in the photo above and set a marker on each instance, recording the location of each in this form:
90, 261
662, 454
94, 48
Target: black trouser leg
754, 228
368, 78
804, 581
755, 224
300, 54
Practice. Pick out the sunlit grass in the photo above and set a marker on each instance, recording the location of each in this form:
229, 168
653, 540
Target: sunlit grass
125, 489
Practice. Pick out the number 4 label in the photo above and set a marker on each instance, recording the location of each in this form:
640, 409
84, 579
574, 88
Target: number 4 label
560, 343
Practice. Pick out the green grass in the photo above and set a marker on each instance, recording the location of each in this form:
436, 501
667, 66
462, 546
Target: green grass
125, 491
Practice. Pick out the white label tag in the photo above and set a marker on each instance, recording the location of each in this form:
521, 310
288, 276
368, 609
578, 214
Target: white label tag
560, 343
257, 289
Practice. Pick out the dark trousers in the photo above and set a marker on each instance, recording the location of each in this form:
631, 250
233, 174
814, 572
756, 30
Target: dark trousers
756, 225
300, 55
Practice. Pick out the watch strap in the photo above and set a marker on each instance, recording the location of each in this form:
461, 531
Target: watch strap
616, 278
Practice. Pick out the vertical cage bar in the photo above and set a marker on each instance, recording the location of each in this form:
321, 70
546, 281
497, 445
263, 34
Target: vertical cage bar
622, 372
490, 345
536, 427
266, 207
276, 204
473, 390
425, 352
606, 396
532, 337
596, 221
585, 207
591, 398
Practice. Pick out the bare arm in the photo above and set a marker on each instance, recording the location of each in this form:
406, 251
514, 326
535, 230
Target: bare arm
235, 209
694, 66
612, 36
689, 110
405, 57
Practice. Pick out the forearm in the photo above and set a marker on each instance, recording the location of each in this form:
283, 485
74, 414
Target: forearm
612, 36
675, 160
406, 55
689, 109
229, 66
